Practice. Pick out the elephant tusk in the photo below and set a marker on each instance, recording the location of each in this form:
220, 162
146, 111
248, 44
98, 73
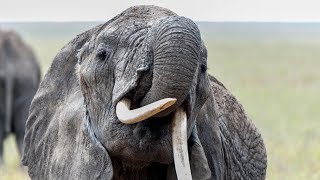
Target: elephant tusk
180, 145
127, 116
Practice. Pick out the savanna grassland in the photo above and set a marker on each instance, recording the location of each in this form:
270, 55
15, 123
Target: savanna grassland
272, 69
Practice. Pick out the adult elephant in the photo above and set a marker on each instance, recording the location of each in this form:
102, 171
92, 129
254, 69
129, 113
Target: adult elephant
19, 80
131, 99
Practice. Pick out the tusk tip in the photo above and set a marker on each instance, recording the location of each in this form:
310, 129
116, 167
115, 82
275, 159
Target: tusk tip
171, 100
127, 116
167, 102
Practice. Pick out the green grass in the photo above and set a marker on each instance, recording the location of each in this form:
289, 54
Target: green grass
276, 80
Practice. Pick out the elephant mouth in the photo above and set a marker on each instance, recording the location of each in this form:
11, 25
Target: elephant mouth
178, 127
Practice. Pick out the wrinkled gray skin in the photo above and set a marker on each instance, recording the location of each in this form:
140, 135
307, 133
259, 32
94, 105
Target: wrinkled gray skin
19, 80
146, 53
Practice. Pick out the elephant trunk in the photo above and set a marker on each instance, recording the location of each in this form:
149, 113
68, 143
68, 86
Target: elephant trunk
176, 46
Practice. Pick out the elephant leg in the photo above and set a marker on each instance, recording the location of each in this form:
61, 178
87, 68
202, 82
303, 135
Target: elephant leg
19, 121
1, 145
19, 127
19, 139
19, 133
2, 132
2, 115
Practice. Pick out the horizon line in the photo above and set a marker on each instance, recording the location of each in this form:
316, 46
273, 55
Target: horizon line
101, 21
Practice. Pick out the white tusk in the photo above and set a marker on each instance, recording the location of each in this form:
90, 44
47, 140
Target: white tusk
127, 116
180, 145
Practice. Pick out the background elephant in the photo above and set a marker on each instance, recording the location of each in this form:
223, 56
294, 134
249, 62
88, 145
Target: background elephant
77, 129
19, 79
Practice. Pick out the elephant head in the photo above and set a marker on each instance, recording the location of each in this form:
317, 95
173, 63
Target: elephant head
122, 100
140, 72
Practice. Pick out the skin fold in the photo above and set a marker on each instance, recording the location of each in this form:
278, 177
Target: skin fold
19, 80
144, 54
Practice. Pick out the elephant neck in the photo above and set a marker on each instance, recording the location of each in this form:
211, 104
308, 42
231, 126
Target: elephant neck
131, 170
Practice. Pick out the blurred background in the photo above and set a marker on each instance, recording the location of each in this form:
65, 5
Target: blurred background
266, 54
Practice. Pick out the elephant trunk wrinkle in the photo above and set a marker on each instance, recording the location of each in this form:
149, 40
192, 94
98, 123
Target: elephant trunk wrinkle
176, 47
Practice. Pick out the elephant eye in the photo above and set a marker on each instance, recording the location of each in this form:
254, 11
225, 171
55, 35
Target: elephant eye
103, 53
204, 68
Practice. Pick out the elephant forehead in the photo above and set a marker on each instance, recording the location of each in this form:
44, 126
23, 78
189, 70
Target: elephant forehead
124, 34
144, 13
136, 17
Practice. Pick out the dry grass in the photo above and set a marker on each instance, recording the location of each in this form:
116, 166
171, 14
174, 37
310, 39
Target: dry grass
12, 170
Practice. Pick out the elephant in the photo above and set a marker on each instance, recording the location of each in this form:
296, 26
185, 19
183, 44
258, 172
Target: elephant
19, 80
132, 99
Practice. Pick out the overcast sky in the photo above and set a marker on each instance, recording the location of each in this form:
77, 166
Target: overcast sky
199, 10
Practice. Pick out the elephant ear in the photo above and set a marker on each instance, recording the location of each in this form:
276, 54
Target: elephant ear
199, 166
59, 141
244, 153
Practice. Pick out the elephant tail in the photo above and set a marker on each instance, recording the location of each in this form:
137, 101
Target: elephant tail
8, 103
